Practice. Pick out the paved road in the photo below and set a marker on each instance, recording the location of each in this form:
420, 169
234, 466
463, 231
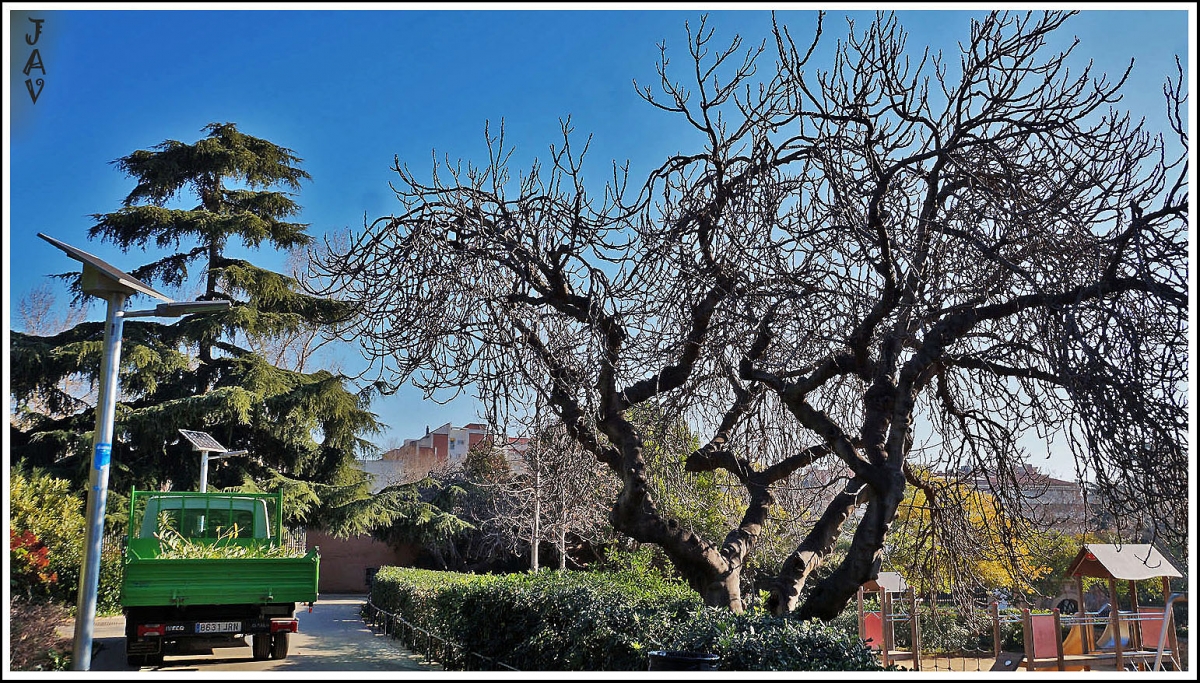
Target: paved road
332, 638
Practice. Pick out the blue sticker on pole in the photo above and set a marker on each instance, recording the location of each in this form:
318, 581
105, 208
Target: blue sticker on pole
103, 455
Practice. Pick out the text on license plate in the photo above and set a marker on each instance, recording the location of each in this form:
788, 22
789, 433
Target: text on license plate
218, 627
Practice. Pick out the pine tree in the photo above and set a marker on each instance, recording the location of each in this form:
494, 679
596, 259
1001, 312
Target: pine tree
302, 430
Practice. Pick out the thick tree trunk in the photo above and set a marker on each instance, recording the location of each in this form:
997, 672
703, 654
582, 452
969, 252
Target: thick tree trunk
813, 550
830, 596
634, 513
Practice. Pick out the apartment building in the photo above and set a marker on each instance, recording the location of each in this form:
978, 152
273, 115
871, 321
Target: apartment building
1055, 503
446, 446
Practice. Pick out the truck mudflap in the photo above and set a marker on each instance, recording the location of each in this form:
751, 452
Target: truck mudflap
147, 645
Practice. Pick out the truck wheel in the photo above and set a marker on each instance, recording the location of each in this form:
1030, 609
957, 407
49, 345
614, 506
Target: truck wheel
279, 646
136, 660
261, 645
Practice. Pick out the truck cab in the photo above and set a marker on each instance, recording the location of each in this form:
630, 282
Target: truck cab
211, 517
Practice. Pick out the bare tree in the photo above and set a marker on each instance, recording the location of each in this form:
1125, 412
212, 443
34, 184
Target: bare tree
536, 489
556, 494
38, 313
980, 251
999, 254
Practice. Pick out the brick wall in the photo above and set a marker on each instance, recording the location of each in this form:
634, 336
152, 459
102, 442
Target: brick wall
345, 561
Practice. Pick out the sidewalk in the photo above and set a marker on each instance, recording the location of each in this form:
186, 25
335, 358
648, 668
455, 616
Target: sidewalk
103, 627
332, 637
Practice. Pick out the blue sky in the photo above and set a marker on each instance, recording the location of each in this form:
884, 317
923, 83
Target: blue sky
350, 90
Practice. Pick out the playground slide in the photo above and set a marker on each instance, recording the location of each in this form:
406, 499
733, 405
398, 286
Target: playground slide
1150, 621
1105, 641
1073, 645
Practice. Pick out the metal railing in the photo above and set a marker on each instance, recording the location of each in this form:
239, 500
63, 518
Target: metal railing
295, 539
433, 647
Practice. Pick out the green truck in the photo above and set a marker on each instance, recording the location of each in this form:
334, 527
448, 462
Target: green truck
191, 602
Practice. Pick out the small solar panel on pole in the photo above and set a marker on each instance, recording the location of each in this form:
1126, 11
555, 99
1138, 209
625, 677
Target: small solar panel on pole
205, 443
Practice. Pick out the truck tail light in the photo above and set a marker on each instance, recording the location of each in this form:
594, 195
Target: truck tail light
147, 630
284, 625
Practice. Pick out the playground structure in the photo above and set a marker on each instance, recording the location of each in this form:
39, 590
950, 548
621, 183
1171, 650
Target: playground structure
878, 629
1139, 638
1122, 635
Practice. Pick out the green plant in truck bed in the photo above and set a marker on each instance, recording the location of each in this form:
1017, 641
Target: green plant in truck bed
175, 546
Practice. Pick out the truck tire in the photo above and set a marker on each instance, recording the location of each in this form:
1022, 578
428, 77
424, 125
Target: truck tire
135, 660
279, 646
261, 645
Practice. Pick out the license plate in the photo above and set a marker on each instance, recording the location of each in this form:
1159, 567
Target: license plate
218, 627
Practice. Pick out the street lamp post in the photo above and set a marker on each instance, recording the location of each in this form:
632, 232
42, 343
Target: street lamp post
204, 460
103, 281
204, 471
205, 443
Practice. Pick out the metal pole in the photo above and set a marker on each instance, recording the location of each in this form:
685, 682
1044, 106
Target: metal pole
1168, 625
203, 471
97, 498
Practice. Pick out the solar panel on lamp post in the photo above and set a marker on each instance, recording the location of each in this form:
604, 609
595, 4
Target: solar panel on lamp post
205, 443
103, 281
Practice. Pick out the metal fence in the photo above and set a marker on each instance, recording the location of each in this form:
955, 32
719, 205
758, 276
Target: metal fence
295, 539
433, 647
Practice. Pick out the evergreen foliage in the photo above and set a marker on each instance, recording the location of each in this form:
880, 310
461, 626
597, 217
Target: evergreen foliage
598, 621
197, 373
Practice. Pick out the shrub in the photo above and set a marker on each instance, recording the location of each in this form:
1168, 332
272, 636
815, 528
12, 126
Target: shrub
112, 570
47, 523
550, 620
847, 621
46, 544
600, 621
34, 642
30, 562
1012, 633
757, 641
947, 630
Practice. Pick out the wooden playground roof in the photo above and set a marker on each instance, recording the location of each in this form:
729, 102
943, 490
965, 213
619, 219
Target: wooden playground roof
1127, 562
892, 581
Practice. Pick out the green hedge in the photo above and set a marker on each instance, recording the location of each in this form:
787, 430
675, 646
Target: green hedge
594, 621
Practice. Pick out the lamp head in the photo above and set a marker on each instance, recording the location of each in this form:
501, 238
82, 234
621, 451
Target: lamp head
175, 309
